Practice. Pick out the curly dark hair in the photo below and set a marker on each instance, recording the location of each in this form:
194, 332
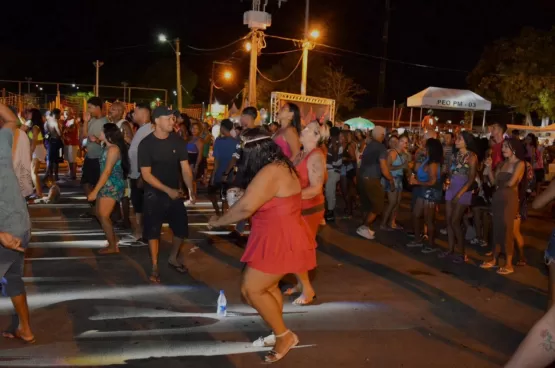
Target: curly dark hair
259, 150
434, 150
115, 136
470, 142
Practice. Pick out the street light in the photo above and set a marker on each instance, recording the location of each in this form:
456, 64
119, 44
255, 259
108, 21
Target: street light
248, 46
162, 38
227, 75
315, 34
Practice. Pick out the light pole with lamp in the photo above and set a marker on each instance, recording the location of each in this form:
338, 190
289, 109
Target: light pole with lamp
307, 45
176, 49
227, 75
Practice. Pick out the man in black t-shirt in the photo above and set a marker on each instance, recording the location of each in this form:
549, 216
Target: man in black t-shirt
162, 159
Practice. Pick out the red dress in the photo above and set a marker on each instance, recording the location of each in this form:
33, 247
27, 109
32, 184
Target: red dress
280, 241
312, 209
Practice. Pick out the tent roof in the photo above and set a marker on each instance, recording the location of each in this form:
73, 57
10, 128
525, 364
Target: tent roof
449, 99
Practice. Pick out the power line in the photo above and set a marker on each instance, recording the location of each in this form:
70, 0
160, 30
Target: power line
390, 60
281, 52
363, 54
284, 79
219, 48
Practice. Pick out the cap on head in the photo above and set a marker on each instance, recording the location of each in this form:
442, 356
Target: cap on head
163, 111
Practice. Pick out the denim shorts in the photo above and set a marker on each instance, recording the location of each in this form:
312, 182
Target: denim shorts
11, 269
398, 184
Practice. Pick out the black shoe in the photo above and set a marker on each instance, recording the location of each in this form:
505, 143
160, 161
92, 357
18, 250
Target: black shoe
329, 216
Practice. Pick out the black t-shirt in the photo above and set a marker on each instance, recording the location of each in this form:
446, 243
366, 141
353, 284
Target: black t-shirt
164, 157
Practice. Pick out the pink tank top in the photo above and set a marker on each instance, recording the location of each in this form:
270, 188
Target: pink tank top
282, 143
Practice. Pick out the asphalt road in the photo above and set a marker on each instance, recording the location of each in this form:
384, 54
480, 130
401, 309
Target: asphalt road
379, 303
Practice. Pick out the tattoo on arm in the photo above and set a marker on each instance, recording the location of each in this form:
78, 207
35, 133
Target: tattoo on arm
547, 344
317, 171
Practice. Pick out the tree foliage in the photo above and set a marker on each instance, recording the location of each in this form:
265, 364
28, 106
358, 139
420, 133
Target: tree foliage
519, 72
337, 86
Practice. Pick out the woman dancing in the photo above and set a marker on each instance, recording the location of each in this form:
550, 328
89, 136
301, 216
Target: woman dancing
280, 241
114, 164
311, 166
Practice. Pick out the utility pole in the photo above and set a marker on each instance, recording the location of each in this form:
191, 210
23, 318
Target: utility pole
211, 90
125, 84
212, 83
253, 68
28, 79
385, 41
257, 20
178, 68
97, 64
306, 46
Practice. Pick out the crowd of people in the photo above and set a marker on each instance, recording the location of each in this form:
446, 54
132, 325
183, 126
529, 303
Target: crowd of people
282, 178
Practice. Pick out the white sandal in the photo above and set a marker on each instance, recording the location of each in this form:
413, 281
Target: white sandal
273, 356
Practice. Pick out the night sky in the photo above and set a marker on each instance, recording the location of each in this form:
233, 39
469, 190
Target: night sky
59, 40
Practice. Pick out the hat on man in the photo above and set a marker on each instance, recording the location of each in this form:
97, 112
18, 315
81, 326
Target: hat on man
162, 111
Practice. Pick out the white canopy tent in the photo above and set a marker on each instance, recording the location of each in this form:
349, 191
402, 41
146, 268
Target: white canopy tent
449, 99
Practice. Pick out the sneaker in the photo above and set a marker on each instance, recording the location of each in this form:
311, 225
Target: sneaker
267, 341
415, 244
443, 231
482, 243
329, 216
474, 241
365, 232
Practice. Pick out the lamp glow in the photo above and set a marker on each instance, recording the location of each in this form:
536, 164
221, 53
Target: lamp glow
228, 75
248, 46
315, 34
162, 38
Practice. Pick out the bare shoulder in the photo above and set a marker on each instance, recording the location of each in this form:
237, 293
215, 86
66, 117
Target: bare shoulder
113, 150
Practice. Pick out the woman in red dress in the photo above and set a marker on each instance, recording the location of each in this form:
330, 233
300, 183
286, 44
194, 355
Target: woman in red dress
311, 166
280, 241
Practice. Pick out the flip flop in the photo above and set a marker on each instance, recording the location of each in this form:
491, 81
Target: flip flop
16, 335
460, 259
504, 271
179, 268
488, 265
154, 277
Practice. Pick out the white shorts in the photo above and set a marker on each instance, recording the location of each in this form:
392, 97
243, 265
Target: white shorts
40, 152
70, 153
